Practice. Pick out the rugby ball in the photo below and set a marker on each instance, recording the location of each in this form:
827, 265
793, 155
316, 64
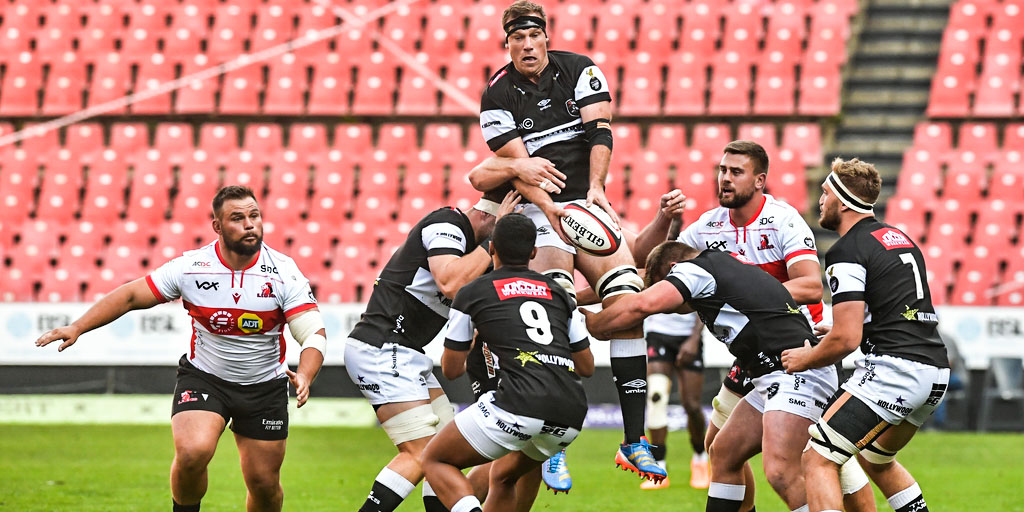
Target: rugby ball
590, 228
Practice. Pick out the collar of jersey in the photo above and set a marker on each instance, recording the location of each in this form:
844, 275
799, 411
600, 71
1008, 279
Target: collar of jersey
521, 79
764, 201
216, 247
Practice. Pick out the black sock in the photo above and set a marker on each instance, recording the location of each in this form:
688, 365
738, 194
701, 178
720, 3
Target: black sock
659, 452
432, 504
381, 499
184, 508
631, 383
722, 505
917, 505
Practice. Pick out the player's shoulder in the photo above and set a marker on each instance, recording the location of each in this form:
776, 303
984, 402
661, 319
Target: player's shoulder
443, 214
778, 207
571, 59
205, 256
499, 79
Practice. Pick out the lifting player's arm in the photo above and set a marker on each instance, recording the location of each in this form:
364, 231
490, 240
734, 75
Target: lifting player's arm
458, 340
453, 272
596, 119
804, 282
127, 297
631, 310
844, 338
535, 171
516, 149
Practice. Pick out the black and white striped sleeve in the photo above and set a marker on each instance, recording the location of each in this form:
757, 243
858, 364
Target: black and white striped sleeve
497, 123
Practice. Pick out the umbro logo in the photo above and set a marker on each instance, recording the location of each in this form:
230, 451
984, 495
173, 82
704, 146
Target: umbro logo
544, 103
635, 383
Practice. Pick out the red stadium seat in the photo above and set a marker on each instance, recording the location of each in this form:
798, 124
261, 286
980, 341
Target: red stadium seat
996, 227
150, 193
111, 79
84, 140
197, 97
375, 86
805, 139
35, 249
240, 91
700, 27
949, 225
641, 95
129, 140
819, 94
20, 21
104, 192
309, 141
310, 251
969, 15
1013, 137
59, 191
192, 15
154, 71
263, 140
907, 215
247, 173
172, 240
730, 86
743, 30
81, 249
412, 208
273, 27
63, 91
20, 83
974, 282
980, 138
467, 76
226, 39
934, 137
313, 18
659, 29
354, 141
395, 141
965, 179
17, 182
949, 97
921, 175
485, 37
461, 193
711, 139
829, 31
376, 211
328, 93
286, 84
219, 140
995, 96
1007, 181
761, 133
174, 140
60, 285
403, 26
613, 35
773, 90
569, 26
417, 95
197, 184
960, 64
441, 36
685, 85
439, 140
939, 265
786, 32
141, 37
183, 39
667, 140
786, 180
1011, 293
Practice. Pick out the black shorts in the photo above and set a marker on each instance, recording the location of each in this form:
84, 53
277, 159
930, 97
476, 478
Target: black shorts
665, 348
738, 381
257, 411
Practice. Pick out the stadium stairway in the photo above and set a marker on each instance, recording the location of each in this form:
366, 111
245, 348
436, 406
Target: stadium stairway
887, 84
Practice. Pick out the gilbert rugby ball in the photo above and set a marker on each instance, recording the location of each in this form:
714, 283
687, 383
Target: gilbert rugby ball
590, 228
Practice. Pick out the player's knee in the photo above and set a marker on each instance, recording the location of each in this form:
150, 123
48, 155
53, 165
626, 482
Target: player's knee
565, 280
444, 410
830, 444
659, 386
192, 459
691, 404
264, 485
416, 423
620, 280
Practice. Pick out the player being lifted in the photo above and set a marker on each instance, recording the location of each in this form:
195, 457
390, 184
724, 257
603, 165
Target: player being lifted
407, 309
881, 302
772, 235
239, 293
557, 105
531, 325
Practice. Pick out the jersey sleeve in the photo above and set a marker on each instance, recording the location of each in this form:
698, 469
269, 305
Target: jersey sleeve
166, 280
497, 123
297, 296
579, 338
797, 240
459, 331
692, 281
689, 235
847, 281
443, 238
591, 84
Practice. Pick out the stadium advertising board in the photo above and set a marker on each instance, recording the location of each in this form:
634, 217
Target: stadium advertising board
159, 336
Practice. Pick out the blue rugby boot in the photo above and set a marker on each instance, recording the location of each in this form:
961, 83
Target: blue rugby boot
556, 474
636, 457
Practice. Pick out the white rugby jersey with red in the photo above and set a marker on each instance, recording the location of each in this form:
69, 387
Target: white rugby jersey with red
238, 316
775, 238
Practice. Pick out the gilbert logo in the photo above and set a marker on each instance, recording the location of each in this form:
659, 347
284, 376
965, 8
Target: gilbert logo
892, 239
520, 287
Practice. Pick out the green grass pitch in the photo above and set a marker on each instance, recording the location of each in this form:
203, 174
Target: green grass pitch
125, 468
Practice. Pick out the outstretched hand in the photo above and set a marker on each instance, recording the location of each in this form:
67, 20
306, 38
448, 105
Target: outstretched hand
509, 204
68, 334
596, 196
301, 385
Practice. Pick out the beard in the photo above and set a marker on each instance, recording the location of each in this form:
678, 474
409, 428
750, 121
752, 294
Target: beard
738, 199
829, 219
244, 248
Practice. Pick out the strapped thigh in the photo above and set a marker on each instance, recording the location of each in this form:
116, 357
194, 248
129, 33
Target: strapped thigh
847, 427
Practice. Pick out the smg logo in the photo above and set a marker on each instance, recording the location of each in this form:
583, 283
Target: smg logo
207, 285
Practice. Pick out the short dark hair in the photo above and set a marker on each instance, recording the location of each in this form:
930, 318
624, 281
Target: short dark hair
229, 193
513, 239
752, 149
522, 8
661, 259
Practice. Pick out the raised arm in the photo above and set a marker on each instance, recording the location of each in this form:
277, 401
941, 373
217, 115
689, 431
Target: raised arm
631, 310
453, 272
659, 229
496, 171
596, 119
127, 297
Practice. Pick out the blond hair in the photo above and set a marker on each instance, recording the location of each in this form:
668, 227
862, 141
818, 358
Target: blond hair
860, 177
523, 8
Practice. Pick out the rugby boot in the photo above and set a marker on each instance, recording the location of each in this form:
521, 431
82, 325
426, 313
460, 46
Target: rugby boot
636, 457
556, 474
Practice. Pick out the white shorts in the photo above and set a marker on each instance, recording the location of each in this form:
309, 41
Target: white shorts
804, 394
898, 389
389, 374
546, 235
494, 432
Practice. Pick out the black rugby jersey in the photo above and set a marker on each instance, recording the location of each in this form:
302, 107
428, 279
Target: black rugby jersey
880, 265
531, 329
744, 307
406, 306
546, 115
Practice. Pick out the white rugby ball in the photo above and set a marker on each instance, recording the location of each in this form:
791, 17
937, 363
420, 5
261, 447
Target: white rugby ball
590, 228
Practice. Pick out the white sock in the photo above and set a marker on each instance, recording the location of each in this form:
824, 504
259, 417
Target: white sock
801, 509
731, 492
427, 489
395, 482
905, 496
466, 504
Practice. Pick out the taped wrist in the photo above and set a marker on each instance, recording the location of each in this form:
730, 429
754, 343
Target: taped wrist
304, 329
598, 132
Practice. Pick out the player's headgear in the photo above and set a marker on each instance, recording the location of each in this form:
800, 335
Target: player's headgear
490, 201
862, 177
848, 198
524, 22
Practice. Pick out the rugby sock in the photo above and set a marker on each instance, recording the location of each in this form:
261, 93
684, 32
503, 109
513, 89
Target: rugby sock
629, 368
389, 489
660, 453
725, 497
468, 504
184, 508
430, 501
804, 508
909, 499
